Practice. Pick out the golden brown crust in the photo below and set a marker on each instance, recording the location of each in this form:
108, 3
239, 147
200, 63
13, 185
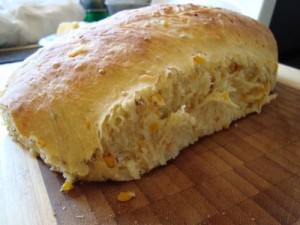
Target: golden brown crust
84, 73
55, 64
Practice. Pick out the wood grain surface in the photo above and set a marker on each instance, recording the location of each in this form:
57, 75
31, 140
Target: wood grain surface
247, 174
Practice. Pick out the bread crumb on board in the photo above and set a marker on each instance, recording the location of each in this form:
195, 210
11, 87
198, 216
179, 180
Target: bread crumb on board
80, 216
67, 186
125, 196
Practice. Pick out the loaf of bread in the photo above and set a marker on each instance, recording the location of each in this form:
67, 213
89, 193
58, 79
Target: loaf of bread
116, 98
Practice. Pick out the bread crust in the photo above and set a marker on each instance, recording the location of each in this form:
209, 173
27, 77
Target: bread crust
58, 101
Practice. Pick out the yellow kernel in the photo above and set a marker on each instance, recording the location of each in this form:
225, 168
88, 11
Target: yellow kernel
198, 59
125, 196
67, 186
109, 160
164, 23
153, 127
225, 96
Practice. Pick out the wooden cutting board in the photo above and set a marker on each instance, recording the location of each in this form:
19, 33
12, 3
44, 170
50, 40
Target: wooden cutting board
247, 174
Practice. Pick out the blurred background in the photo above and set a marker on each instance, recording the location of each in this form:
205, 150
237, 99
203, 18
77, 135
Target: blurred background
26, 25
285, 25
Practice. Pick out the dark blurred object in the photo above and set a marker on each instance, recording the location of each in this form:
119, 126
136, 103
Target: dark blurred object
16, 54
115, 6
285, 25
94, 10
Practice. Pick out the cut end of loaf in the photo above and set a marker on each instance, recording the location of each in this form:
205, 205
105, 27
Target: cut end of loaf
152, 125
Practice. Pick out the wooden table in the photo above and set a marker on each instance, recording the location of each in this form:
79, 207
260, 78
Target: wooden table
248, 174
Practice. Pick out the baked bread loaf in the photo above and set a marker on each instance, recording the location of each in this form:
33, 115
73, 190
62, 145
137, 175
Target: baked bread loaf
116, 98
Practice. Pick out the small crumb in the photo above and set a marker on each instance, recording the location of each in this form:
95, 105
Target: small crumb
253, 219
64, 208
208, 216
54, 214
135, 222
223, 213
67, 186
125, 196
236, 125
80, 216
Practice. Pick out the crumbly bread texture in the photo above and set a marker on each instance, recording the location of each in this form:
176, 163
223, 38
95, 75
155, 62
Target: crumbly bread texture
116, 98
